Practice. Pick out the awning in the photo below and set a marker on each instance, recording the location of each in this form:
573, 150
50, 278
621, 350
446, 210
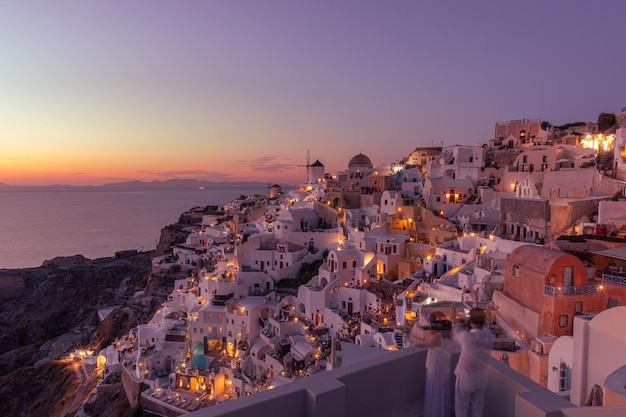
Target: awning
616, 253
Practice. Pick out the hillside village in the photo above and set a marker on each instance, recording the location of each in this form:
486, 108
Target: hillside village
356, 264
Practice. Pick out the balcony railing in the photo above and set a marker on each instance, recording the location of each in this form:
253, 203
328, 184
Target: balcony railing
571, 290
614, 279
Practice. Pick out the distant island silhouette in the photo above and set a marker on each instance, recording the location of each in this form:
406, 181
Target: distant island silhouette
152, 185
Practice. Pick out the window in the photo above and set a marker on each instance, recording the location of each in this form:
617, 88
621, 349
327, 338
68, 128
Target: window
563, 320
344, 265
525, 159
578, 307
438, 199
516, 270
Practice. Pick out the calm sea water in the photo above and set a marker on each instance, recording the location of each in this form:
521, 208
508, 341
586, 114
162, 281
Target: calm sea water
36, 225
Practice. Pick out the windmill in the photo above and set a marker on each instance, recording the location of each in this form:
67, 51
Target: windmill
308, 166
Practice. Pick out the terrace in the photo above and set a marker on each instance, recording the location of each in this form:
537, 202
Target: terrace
350, 391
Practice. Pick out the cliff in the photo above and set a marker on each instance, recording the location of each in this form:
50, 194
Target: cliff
47, 312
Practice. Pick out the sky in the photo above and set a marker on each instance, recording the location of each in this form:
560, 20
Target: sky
96, 92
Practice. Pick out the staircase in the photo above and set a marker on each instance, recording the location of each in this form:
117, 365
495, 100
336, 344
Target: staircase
399, 337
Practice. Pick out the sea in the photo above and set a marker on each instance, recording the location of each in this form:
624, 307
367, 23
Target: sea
42, 223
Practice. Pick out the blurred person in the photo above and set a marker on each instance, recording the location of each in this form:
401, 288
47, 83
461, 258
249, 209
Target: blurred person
471, 370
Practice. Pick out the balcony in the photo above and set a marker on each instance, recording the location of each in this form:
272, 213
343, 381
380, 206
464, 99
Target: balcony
614, 279
572, 290
364, 389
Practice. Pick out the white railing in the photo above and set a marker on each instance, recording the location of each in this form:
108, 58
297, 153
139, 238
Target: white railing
571, 290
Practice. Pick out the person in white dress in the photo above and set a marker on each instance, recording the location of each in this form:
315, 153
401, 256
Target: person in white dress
471, 370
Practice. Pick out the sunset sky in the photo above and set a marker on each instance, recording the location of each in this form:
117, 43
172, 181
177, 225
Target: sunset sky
95, 92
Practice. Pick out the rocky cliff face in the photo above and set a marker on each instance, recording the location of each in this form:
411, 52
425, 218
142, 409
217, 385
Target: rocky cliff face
48, 311
171, 236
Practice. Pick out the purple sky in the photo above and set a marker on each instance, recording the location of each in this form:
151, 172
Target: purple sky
92, 92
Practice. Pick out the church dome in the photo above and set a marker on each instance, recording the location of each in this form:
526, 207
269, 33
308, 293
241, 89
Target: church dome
360, 160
